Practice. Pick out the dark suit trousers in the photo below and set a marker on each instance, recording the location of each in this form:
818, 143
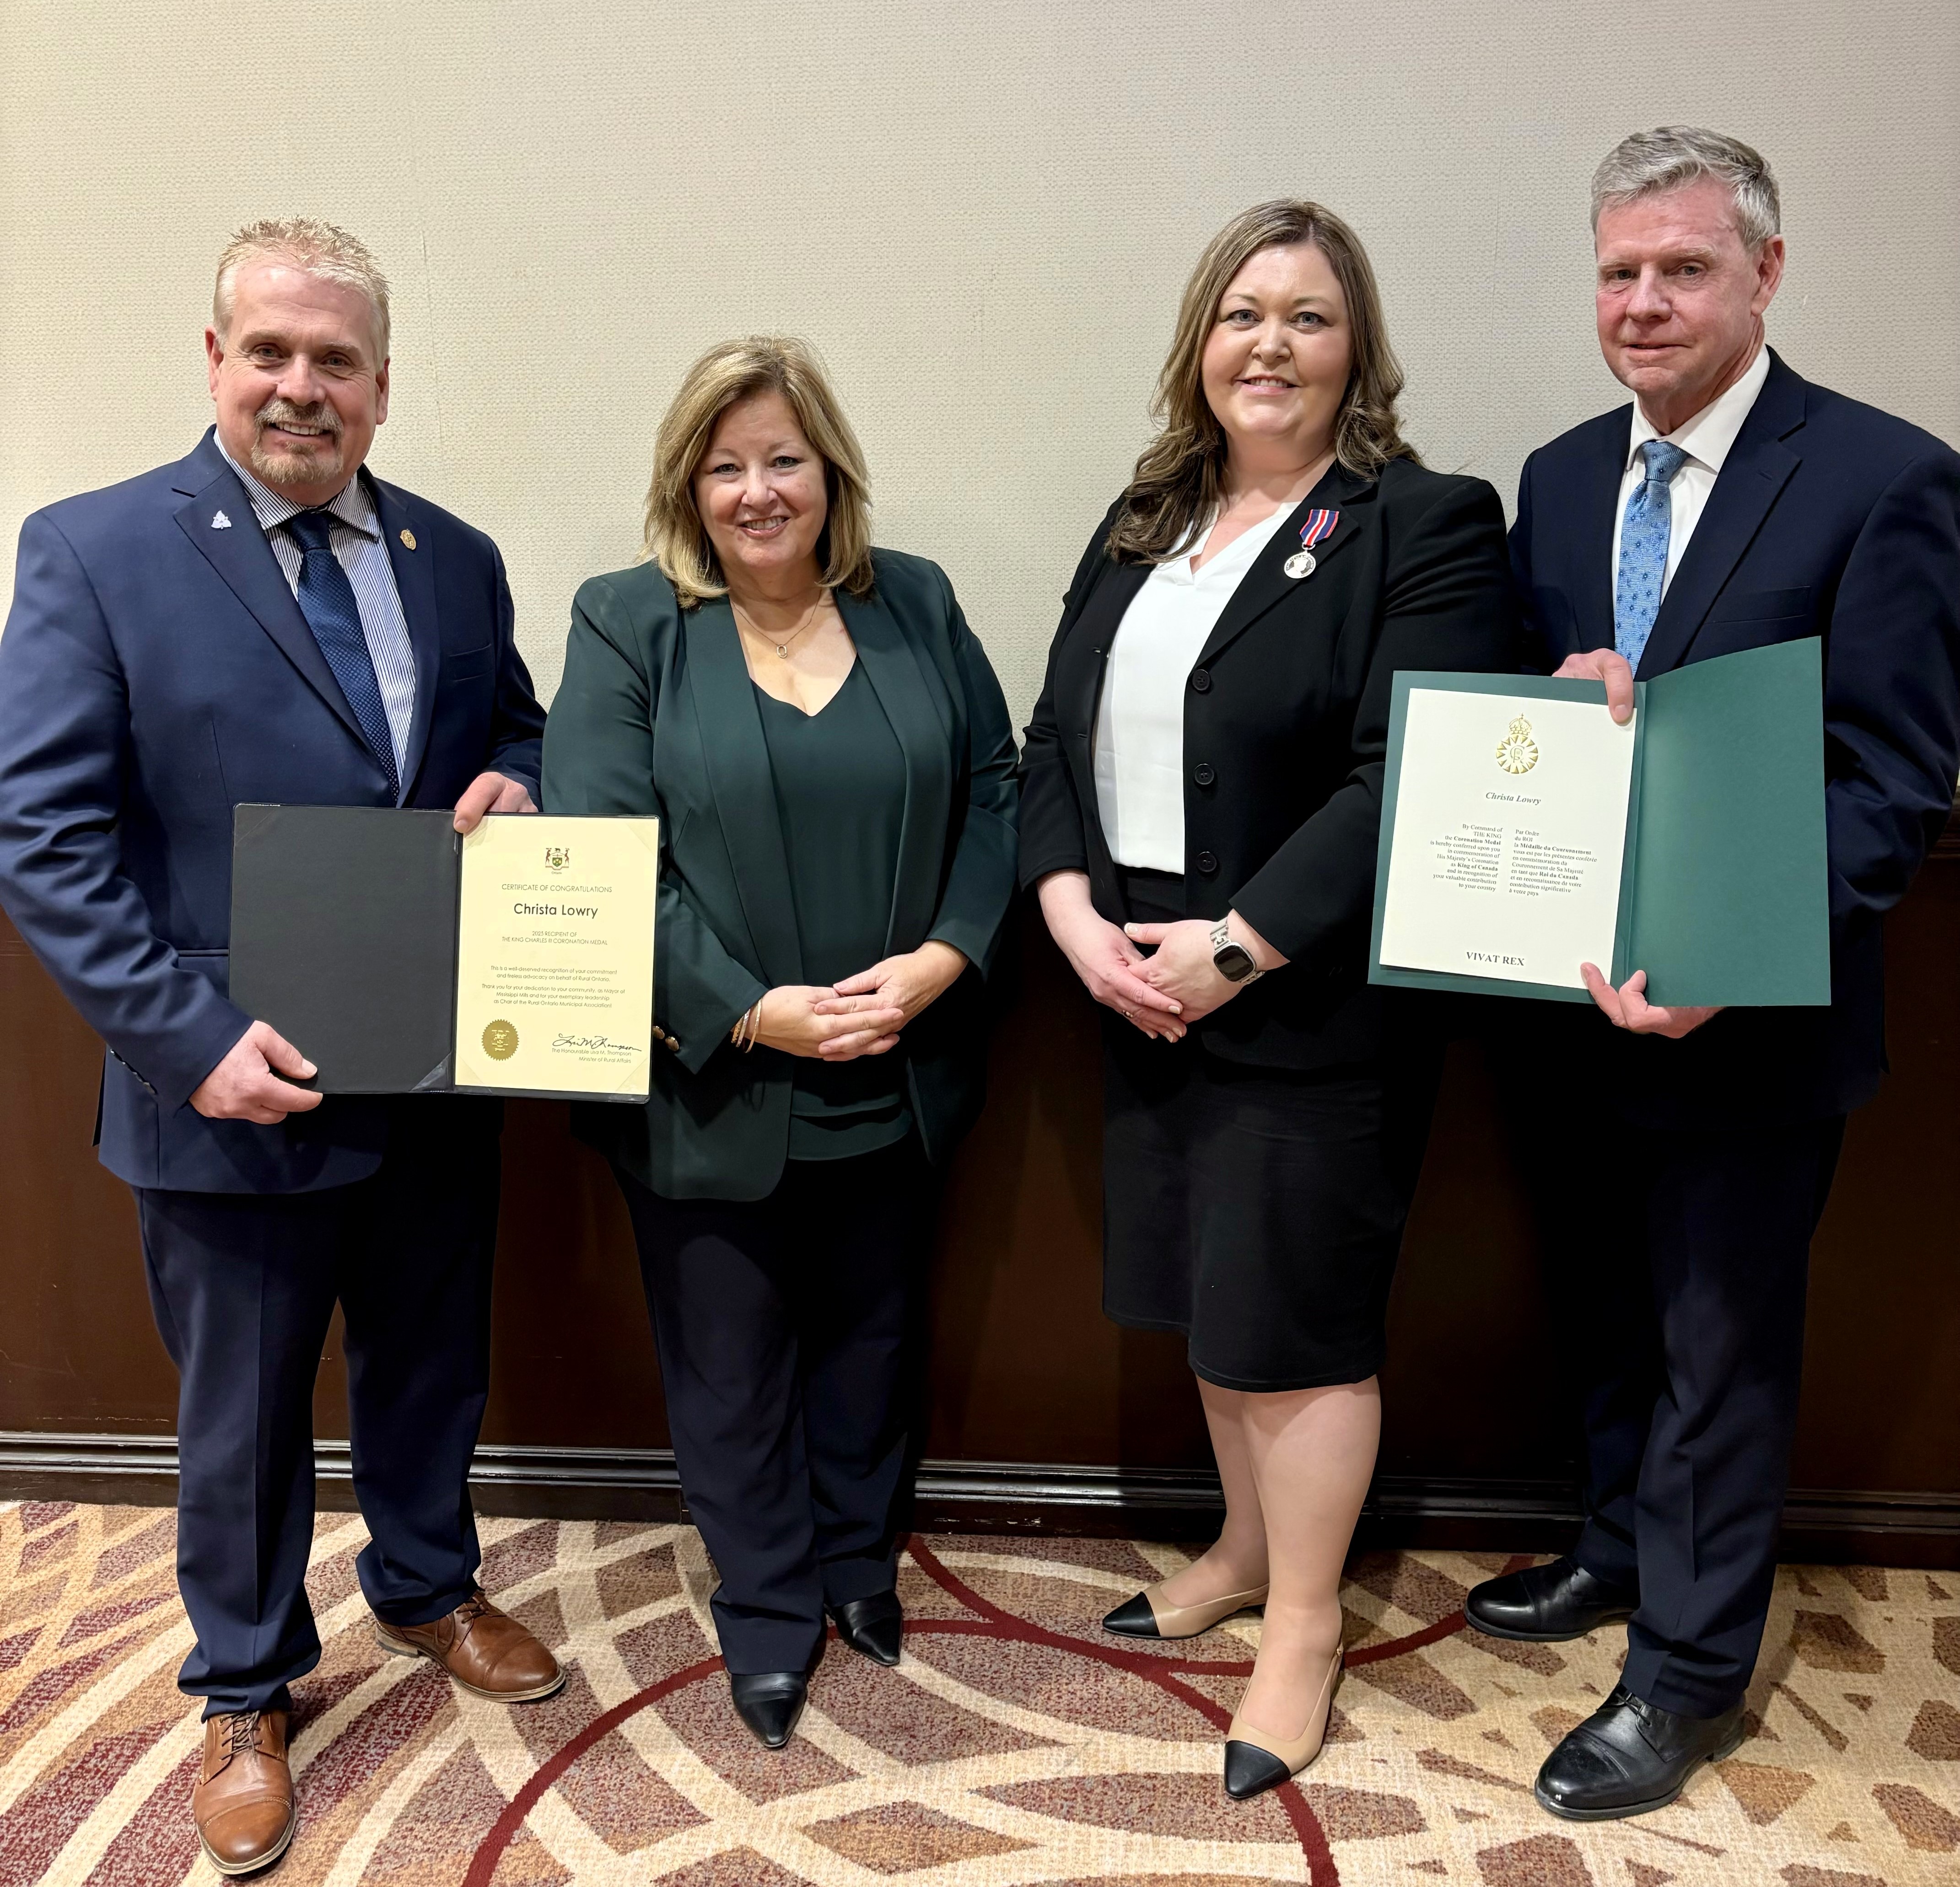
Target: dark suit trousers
1681, 1314
784, 1326
243, 1286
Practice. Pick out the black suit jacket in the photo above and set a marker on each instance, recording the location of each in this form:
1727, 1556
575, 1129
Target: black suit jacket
1830, 519
1285, 730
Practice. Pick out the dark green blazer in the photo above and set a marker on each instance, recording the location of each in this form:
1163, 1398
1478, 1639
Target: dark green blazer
656, 715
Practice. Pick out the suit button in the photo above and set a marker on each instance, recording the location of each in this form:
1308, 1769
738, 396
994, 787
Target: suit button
1201, 679
673, 1045
1207, 863
1203, 775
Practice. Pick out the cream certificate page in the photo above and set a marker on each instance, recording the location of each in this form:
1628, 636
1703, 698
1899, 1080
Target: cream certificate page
1510, 827
555, 955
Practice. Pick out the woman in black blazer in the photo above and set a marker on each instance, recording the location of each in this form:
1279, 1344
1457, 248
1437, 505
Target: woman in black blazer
833, 767
1201, 799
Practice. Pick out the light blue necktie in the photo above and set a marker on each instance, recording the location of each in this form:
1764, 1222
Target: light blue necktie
1644, 534
326, 601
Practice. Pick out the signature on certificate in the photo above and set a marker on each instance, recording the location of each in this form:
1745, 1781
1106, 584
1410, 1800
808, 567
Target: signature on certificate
593, 1045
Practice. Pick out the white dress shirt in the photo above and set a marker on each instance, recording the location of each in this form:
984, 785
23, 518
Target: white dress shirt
354, 532
1139, 719
1707, 439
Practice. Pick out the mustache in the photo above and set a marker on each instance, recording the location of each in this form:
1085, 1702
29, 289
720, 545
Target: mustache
286, 413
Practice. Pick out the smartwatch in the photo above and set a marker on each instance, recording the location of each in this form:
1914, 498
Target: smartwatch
1232, 961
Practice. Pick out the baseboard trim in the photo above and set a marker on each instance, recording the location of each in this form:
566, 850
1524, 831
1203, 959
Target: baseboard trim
1465, 1513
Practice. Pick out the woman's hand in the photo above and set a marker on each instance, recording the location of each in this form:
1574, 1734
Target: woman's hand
1108, 963
899, 986
1182, 968
793, 1020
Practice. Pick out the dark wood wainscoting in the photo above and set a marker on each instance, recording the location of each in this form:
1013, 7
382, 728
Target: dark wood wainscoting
1042, 1414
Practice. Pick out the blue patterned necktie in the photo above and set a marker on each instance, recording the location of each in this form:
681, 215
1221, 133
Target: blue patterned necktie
326, 601
1644, 534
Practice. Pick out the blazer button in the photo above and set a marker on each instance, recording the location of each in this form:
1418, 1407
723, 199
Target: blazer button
673, 1045
1203, 775
1207, 863
1201, 679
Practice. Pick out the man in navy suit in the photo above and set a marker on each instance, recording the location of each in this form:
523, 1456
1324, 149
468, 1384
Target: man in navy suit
265, 621
1685, 1155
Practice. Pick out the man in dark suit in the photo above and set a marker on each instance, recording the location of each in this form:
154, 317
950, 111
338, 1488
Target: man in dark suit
1733, 506
265, 621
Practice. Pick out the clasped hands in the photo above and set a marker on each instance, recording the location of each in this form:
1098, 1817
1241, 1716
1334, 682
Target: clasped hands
1626, 1008
862, 1014
1162, 994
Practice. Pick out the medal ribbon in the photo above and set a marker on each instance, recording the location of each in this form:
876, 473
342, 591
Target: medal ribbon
1319, 524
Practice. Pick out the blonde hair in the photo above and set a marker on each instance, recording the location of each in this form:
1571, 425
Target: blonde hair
1179, 481
324, 249
677, 540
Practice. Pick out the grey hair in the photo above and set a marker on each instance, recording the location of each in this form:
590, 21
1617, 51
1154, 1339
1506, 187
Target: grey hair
324, 249
1676, 155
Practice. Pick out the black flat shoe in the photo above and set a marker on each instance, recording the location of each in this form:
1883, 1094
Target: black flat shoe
769, 1702
1629, 1756
1547, 1605
872, 1627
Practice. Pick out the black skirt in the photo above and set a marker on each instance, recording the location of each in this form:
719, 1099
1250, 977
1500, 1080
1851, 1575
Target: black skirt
1258, 1211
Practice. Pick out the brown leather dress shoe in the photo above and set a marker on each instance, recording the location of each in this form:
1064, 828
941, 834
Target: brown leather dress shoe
485, 1651
242, 1801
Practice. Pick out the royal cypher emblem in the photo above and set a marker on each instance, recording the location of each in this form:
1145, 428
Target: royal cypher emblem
558, 856
1517, 752
499, 1041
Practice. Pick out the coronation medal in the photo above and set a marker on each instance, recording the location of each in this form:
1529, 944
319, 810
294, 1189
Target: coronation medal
1302, 562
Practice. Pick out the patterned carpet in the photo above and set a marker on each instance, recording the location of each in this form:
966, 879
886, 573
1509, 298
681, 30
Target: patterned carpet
1015, 1744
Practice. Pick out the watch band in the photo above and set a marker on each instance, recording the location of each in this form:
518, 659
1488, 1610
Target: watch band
1222, 940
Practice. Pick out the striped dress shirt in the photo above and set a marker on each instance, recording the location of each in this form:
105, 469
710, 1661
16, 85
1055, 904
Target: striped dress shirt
355, 533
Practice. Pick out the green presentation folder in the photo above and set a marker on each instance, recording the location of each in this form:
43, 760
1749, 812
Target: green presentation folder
1724, 892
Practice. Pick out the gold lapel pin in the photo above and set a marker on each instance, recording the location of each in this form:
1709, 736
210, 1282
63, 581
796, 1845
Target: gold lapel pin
408, 538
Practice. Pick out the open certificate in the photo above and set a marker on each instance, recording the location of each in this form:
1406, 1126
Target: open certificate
404, 960
1525, 832
554, 956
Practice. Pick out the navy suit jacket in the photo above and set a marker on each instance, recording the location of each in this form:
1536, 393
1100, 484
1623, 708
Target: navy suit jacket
156, 671
1830, 519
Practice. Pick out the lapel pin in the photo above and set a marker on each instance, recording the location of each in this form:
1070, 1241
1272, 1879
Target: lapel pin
219, 521
1302, 562
408, 538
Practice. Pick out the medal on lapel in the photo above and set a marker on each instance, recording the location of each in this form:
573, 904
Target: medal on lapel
1302, 562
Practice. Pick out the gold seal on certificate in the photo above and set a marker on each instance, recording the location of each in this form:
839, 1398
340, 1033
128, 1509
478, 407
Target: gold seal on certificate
554, 956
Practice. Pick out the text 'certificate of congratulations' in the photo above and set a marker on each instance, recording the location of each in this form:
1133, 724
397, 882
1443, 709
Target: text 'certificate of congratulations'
1509, 837
554, 956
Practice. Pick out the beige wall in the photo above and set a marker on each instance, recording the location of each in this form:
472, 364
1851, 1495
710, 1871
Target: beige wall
982, 214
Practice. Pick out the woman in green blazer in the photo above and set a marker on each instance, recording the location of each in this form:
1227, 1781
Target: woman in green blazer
828, 752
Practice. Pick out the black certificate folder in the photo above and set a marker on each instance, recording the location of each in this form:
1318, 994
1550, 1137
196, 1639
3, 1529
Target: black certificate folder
346, 937
343, 937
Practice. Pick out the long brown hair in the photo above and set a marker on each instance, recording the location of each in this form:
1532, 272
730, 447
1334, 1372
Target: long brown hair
1179, 478
678, 541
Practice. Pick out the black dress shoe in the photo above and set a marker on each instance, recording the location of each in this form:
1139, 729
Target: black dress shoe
872, 1627
769, 1702
1547, 1604
1629, 1756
